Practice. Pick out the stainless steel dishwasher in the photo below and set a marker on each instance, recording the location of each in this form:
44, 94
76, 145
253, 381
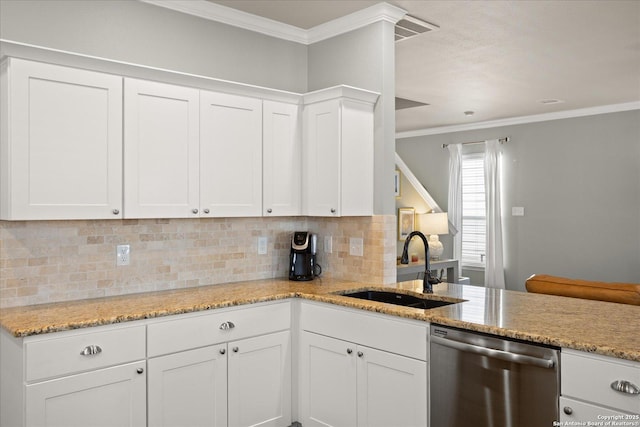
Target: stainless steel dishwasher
485, 381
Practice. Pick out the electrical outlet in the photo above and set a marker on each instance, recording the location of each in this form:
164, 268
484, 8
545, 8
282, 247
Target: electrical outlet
356, 246
123, 255
328, 244
262, 245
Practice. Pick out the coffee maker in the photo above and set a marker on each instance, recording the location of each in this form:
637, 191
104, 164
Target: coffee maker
302, 259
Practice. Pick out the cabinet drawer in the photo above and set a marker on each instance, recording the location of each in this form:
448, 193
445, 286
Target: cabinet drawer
193, 331
589, 377
61, 355
581, 412
405, 337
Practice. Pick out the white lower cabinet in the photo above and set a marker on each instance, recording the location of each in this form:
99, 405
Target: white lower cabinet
240, 383
89, 377
223, 368
259, 387
189, 388
104, 398
345, 384
598, 389
346, 381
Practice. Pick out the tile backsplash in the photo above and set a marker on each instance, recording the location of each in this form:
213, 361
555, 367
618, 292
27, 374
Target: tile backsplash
51, 261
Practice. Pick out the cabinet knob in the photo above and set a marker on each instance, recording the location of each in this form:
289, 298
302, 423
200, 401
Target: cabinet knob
269, 210
567, 410
349, 351
140, 370
115, 211
195, 211
360, 354
235, 349
223, 351
91, 350
625, 387
206, 211
333, 210
227, 325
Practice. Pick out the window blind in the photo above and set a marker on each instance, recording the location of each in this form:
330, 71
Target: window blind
473, 210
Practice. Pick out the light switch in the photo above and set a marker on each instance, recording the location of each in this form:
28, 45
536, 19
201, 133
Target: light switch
517, 211
328, 244
262, 245
356, 246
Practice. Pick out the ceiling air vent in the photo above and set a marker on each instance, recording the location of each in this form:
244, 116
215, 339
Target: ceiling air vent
410, 26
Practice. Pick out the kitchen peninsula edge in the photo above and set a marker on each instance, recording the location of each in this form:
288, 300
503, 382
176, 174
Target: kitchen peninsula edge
591, 326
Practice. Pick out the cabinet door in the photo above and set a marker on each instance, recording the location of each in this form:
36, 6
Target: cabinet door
104, 398
282, 157
189, 388
62, 150
356, 161
321, 161
392, 389
327, 382
230, 155
160, 150
260, 381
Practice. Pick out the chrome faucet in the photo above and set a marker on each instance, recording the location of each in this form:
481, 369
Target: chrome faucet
427, 281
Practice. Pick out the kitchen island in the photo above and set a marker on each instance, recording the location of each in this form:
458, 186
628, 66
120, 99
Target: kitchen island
604, 328
205, 355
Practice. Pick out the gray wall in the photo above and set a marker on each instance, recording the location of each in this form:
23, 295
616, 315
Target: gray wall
365, 58
579, 182
145, 34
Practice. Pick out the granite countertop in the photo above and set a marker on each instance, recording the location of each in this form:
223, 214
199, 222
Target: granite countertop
605, 328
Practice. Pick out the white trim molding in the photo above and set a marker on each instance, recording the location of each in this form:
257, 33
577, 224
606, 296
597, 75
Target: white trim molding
591, 111
269, 27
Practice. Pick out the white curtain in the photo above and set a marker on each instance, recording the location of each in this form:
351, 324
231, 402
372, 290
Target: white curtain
494, 268
455, 196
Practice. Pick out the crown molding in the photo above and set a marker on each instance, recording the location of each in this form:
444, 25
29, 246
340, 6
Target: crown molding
568, 114
269, 27
377, 12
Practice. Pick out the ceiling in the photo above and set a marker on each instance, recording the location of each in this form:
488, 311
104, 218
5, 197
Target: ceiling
499, 59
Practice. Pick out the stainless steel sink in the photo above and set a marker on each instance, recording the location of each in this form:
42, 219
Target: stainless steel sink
398, 299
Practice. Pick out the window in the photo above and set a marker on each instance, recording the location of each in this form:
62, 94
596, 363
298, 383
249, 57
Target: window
473, 210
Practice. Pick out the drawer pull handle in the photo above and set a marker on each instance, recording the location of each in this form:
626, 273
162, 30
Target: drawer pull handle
140, 370
227, 325
349, 351
91, 350
235, 349
625, 387
223, 351
568, 410
360, 354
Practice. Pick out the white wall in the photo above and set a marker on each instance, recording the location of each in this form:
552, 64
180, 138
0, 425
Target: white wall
579, 182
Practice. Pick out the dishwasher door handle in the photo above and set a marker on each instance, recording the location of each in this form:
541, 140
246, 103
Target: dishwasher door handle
497, 354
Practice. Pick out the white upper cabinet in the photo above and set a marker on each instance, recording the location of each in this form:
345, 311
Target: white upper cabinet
338, 152
161, 143
180, 152
61, 143
230, 155
281, 159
